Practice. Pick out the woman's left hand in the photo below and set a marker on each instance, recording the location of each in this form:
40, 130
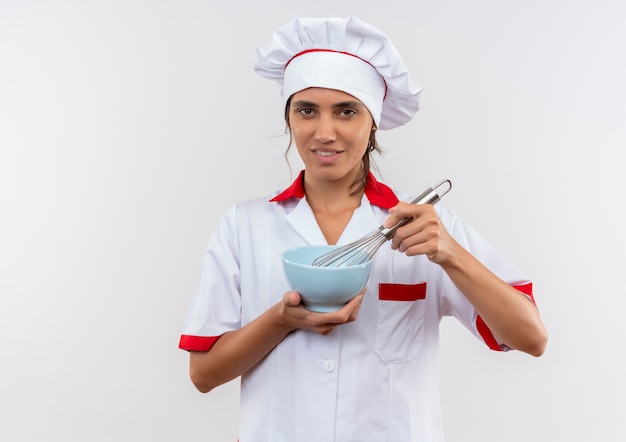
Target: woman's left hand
425, 234
508, 313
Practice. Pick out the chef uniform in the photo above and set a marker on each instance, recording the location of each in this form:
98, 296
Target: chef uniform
372, 380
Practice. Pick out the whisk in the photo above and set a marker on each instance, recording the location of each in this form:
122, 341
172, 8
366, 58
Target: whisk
362, 251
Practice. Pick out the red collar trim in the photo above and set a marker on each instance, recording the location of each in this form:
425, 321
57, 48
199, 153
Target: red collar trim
377, 193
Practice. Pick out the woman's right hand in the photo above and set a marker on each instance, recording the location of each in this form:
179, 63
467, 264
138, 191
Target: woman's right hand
294, 315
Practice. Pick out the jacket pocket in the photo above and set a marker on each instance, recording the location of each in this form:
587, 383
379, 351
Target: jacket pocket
400, 324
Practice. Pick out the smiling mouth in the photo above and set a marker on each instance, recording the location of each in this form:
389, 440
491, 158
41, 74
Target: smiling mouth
324, 153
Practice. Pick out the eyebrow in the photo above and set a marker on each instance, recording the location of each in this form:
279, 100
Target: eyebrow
304, 103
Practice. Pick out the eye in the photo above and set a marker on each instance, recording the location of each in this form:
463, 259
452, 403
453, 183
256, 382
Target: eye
305, 111
347, 112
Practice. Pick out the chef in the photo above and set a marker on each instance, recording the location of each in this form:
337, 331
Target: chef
369, 371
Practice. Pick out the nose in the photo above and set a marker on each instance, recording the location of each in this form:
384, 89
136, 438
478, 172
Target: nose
325, 129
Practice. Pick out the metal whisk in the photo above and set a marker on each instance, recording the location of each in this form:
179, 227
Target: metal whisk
363, 250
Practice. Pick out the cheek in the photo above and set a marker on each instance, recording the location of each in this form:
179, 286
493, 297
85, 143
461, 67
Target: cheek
299, 129
363, 139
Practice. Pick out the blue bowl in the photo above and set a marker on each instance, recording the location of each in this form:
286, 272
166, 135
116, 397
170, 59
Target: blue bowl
323, 289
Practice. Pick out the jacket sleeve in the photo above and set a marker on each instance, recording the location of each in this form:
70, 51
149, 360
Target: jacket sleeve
216, 302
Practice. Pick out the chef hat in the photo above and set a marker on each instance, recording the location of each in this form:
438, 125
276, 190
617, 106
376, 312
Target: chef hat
345, 54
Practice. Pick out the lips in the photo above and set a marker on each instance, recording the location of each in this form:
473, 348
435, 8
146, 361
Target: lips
326, 153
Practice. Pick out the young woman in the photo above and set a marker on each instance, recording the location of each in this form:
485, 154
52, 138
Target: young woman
367, 372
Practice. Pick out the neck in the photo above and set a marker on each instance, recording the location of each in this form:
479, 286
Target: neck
332, 196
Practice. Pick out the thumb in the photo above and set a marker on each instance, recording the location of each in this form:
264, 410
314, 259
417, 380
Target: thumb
393, 218
293, 299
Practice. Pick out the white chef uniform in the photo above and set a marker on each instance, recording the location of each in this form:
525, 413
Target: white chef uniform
375, 379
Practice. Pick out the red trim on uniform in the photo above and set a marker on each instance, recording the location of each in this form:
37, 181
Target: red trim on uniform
197, 343
484, 331
377, 193
401, 292
487, 335
308, 51
296, 190
526, 289
380, 194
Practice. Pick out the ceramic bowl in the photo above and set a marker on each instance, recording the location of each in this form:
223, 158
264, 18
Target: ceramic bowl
323, 289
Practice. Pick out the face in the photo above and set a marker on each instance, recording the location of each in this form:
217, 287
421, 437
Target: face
331, 130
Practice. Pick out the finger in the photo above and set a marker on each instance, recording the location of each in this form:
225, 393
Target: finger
423, 229
292, 299
427, 242
332, 319
406, 236
350, 311
391, 221
357, 307
396, 214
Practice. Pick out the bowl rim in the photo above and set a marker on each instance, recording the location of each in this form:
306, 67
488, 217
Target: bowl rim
324, 246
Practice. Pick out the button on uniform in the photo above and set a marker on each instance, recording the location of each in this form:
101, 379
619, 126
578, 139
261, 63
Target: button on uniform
329, 366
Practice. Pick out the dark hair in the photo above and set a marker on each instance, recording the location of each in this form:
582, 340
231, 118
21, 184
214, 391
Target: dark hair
367, 161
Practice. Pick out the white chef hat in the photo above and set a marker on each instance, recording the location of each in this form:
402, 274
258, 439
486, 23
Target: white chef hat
345, 54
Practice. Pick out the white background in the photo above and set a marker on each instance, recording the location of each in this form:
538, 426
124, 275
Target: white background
127, 127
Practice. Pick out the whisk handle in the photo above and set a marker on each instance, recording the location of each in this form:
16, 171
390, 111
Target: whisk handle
430, 196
